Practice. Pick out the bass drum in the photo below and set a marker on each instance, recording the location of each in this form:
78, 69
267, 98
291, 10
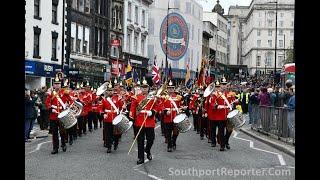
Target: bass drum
121, 124
235, 119
67, 118
182, 122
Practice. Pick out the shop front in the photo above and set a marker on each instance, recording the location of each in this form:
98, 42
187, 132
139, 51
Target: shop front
84, 71
39, 74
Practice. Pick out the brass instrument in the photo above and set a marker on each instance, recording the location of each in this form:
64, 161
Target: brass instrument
145, 101
76, 108
209, 90
102, 88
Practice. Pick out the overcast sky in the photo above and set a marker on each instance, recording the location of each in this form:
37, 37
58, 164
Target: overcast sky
209, 4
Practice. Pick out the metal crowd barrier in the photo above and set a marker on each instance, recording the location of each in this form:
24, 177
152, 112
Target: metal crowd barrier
277, 121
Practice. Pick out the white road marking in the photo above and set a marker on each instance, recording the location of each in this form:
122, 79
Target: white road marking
280, 157
38, 147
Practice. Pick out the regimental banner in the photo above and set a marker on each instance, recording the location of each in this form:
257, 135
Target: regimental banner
176, 44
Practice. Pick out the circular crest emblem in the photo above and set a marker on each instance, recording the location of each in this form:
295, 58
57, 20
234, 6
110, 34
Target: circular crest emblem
176, 44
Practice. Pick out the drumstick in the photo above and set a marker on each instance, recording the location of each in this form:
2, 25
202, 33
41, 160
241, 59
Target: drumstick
144, 121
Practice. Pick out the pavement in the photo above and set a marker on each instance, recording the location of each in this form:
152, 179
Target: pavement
37, 132
248, 158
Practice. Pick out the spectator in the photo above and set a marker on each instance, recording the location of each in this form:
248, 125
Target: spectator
43, 120
244, 100
292, 101
277, 102
272, 96
30, 113
264, 97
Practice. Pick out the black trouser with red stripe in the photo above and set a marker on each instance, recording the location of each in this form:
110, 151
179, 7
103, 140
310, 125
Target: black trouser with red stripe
108, 135
171, 134
203, 126
80, 125
56, 127
91, 117
221, 124
196, 121
149, 134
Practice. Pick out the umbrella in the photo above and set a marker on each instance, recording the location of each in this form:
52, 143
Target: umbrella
290, 68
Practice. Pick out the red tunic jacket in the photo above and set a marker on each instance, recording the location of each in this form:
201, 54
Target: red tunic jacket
139, 118
169, 107
110, 112
213, 113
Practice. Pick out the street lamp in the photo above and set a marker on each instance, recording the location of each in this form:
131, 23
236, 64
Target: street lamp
275, 47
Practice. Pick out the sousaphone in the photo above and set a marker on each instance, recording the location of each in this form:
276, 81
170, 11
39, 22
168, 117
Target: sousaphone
209, 90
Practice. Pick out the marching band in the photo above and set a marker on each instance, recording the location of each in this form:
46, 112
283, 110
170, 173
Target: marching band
116, 109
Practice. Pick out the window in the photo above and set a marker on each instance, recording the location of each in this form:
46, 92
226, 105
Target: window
36, 45
292, 15
292, 24
280, 32
268, 60
270, 13
78, 45
36, 8
143, 18
87, 6
259, 23
135, 43
188, 7
258, 60
54, 48
128, 41
269, 23
291, 43
258, 32
74, 4
136, 15
280, 60
270, 43
114, 17
281, 14
259, 43
269, 32
84, 49
281, 23
129, 10
142, 45
291, 32
54, 13
81, 5
72, 44
280, 43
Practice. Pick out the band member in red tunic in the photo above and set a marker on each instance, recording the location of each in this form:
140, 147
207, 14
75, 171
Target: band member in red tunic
170, 103
145, 119
112, 106
217, 113
56, 102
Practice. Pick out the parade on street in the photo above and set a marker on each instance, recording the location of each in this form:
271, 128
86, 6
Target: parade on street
145, 89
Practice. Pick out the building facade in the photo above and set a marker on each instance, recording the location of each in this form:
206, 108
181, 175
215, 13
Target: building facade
43, 42
88, 41
264, 41
136, 34
185, 29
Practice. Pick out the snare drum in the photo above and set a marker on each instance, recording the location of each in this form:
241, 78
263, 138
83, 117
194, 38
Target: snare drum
235, 119
122, 123
67, 118
182, 122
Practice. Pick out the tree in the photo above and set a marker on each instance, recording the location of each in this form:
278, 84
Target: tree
289, 56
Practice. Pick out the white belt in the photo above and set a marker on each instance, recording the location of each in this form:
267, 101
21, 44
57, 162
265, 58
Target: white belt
107, 110
143, 111
169, 109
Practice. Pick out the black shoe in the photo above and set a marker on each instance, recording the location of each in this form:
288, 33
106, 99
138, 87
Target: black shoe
221, 149
64, 148
149, 156
70, 143
115, 147
169, 150
227, 146
54, 151
213, 145
174, 147
109, 150
201, 138
140, 161
194, 129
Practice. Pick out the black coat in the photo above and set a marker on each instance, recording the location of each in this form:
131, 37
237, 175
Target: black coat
30, 109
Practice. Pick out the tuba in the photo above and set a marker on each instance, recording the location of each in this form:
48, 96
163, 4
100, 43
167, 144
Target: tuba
102, 88
76, 108
209, 90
